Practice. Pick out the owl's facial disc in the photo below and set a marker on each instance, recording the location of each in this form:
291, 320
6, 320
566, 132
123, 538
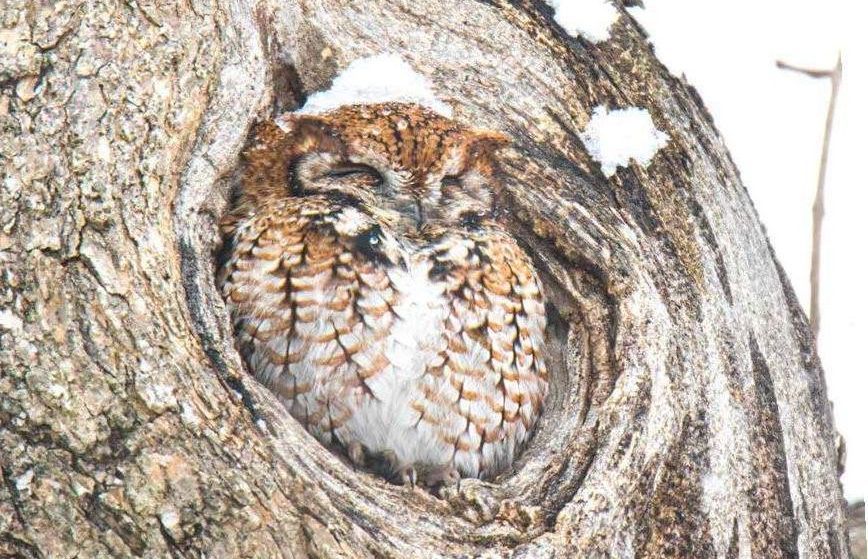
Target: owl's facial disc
416, 169
442, 193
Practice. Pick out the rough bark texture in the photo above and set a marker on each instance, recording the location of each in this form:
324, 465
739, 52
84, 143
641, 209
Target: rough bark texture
689, 416
856, 530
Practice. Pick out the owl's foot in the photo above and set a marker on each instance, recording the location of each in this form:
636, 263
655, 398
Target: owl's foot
428, 476
400, 473
407, 476
444, 475
389, 465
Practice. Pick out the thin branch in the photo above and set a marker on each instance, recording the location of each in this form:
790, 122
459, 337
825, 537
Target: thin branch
834, 75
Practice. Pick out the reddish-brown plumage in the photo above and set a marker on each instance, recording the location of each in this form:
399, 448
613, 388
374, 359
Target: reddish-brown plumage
373, 289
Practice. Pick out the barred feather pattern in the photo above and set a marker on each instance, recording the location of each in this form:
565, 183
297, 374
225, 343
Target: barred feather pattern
424, 347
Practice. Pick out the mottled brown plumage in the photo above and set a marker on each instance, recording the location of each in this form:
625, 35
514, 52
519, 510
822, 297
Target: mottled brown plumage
373, 289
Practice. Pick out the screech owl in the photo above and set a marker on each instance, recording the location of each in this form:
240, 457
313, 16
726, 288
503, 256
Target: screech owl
373, 289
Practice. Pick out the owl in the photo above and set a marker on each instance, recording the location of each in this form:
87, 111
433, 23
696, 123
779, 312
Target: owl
374, 289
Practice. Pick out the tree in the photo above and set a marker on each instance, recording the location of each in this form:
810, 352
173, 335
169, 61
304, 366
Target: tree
689, 416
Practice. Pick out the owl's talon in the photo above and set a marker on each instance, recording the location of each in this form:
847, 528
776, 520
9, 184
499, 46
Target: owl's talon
395, 470
408, 476
388, 459
444, 476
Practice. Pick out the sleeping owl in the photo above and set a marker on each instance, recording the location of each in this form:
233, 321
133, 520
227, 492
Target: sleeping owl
374, 290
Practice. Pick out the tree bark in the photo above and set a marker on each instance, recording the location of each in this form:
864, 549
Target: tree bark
688, 416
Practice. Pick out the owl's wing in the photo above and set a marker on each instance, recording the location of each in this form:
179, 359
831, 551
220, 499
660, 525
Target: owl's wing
311, 313
491, 369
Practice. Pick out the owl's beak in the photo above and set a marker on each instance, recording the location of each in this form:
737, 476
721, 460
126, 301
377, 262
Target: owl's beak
419, 214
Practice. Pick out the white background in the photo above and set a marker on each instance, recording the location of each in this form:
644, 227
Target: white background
773, 121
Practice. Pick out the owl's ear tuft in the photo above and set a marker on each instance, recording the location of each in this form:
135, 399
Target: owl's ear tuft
490, 140
309, 132
482, 148
277, 144
487, 142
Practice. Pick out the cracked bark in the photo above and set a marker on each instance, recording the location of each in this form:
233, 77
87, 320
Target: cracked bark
689, 415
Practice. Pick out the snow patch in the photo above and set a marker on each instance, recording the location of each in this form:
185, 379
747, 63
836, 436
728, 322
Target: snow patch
381, 78
591, 19
614, 138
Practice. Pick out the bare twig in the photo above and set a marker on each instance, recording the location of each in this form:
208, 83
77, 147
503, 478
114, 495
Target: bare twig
834, 75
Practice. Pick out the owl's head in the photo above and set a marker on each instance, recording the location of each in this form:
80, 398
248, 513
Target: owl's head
411, 167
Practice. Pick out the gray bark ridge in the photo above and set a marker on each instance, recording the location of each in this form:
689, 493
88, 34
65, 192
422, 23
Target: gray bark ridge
688, 417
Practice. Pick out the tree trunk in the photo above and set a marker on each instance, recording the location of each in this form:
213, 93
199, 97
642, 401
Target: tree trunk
688, 416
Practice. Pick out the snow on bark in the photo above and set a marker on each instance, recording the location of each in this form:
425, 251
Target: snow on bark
614, 138
592, 19
376, 79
